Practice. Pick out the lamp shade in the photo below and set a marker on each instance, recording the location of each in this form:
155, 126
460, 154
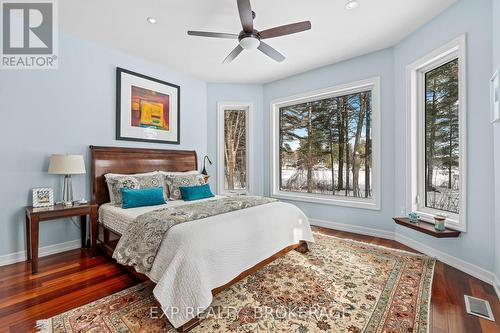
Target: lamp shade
66, 165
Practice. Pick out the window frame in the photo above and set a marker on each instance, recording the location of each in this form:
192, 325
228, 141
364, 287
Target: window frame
415, 129
234, 106
373, 203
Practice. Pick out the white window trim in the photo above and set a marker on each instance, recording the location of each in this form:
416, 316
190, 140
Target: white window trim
248, 108
415, 170
373, 203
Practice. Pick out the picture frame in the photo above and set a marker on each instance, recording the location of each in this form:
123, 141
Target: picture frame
147, 109
495, 97
43, 197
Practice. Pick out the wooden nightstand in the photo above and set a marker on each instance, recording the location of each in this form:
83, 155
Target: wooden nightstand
36, 215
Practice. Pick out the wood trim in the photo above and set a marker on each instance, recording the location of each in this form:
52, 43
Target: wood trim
426, 228
134, 160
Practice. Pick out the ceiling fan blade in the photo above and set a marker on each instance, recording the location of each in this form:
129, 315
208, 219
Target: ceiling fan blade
212, 34
246, 16
269, 51
285, 30
233, 54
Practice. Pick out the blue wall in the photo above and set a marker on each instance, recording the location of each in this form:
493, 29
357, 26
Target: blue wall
65, 111
496, 130
217, 92
371, 65
474, 18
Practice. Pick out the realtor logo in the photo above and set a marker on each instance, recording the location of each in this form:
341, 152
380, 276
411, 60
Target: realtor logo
29, 35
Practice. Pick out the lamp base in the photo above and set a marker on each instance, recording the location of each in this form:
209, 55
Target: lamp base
67, 192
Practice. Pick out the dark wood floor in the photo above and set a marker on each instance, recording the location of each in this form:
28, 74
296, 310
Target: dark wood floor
68, 280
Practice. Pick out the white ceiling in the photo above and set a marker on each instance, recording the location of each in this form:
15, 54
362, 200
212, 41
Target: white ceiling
337, 34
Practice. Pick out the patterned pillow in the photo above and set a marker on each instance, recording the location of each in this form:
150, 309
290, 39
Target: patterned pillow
174, 181
137, 181
175, 173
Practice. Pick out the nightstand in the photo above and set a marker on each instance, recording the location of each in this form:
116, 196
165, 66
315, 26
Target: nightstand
36, 215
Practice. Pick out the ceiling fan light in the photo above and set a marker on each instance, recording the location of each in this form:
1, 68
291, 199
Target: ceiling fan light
351, 4
249, 43
151, 20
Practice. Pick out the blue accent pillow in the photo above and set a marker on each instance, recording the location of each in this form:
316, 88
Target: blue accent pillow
190, 193
142, 197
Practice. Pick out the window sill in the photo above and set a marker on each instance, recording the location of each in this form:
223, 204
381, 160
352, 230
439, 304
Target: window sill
452, 222
324, 200
427, 228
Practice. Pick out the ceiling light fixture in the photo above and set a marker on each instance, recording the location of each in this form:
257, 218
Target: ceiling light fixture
351, 4
249, 43
151, 20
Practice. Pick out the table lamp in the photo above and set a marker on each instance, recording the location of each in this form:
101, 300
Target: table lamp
67, 165
204, 171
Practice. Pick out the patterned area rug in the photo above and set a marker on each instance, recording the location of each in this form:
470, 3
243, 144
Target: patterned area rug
338, 286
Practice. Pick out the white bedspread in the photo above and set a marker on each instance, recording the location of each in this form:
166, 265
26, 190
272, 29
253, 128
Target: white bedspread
199, 256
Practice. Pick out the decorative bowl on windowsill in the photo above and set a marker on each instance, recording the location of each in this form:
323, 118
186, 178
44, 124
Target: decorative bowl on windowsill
413, 216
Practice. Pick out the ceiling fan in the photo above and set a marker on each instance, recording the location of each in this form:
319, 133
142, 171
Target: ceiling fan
251, 39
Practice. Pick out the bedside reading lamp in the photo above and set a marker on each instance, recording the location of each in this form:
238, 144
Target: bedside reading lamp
67, 165
204, 171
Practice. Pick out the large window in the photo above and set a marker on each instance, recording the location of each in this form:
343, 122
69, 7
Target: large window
324, 146
233, 147
442, 175
436, 140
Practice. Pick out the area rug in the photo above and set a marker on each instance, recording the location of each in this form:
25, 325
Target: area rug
338, 286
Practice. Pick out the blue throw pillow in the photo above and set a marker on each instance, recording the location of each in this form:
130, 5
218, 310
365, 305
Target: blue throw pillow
190, 193
142, 197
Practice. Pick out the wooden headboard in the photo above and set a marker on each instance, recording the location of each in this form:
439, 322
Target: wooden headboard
134, 160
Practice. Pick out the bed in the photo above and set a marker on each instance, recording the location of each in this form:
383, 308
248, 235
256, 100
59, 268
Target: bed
200, 258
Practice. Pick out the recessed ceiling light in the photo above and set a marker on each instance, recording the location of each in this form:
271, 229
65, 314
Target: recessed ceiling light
151, 20
351, 4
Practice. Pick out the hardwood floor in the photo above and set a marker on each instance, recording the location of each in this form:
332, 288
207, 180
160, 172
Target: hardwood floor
71, 279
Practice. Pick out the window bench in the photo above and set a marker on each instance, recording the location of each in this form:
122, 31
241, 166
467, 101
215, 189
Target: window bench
426, 228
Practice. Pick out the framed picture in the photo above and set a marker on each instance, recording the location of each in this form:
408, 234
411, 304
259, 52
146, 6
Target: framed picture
495, 97
147, 109
43, 197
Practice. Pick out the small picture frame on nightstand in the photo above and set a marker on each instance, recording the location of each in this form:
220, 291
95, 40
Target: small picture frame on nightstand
43, 197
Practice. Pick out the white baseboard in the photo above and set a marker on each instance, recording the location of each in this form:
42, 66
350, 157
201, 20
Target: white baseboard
471, 269
353, 228
12, 258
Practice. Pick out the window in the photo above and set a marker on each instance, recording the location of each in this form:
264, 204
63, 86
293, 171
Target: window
437, 152
233, 171
325, 146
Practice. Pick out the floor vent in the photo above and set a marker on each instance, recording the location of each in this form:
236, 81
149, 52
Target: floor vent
478, 307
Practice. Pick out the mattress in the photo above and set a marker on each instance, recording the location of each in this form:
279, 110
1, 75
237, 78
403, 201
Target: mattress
117, 219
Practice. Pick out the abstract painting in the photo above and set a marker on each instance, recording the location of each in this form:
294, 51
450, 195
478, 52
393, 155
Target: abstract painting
147, 108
